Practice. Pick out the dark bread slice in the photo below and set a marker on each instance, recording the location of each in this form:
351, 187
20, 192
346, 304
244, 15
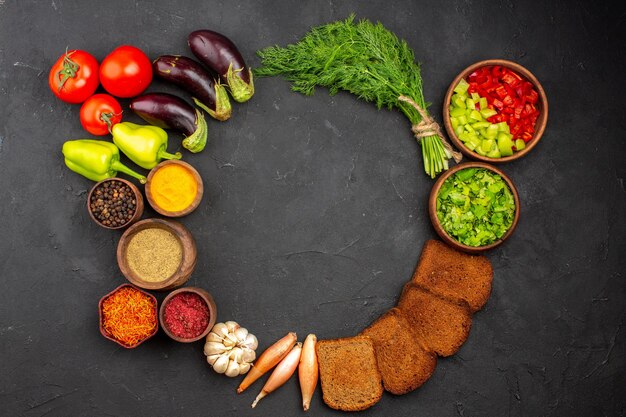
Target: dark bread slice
403, 363
348, 373
454, 275
440, 324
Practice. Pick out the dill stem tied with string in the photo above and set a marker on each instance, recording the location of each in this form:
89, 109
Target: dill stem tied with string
370, 62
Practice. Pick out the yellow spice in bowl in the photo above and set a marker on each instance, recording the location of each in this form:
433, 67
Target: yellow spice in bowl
173, 188
154, 254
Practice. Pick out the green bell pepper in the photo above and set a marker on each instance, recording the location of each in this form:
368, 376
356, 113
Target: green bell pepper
144, 145
96, 159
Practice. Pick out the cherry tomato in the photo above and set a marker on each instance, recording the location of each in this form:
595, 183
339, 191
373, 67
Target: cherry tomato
99, 113
126, 72
74, 77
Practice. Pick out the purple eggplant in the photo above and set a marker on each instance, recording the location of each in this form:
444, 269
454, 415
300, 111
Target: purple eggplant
170, 112
211, 96
218, 52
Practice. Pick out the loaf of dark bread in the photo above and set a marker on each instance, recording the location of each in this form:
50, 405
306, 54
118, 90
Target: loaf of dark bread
440, 324
454, 275
349, 373
403, 362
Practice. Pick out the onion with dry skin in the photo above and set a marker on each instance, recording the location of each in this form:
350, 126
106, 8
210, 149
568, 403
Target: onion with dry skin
268, 360
308, 370
281, 374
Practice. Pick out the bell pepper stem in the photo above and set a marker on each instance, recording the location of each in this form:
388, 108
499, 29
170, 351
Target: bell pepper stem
120, 167
163, 154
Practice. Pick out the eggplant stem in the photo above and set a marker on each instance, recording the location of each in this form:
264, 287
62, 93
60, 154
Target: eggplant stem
198, 139
239, 89
223, 108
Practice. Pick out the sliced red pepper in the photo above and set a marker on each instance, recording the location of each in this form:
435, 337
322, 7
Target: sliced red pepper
501, 91
509, 90
532, 96
487, 84
511, 78
519, 107
495, 119
528, 87
513, 97
528, 109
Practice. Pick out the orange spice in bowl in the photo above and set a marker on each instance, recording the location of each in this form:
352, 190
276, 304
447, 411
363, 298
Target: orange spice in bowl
128, 316
174, 188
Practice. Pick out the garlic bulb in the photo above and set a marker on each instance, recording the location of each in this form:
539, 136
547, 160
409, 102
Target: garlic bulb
230, 349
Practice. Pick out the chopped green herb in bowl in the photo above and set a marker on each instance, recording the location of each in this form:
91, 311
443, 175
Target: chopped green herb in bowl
475, 206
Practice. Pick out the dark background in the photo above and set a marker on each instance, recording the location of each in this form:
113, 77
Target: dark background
315, 213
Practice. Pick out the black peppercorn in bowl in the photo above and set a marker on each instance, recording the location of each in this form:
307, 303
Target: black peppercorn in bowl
115, 203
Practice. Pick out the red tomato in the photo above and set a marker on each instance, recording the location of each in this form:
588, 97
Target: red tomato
126, 72
74, 77
99, 113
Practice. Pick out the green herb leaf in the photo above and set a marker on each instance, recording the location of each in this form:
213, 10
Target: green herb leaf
364, 59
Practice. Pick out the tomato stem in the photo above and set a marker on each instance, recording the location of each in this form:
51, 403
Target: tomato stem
70, 68
107, 118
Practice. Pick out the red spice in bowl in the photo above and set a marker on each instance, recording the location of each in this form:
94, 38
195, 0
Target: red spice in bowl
187, 314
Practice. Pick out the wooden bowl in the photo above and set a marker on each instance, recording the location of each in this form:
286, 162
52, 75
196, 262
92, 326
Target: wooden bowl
542, 106
138, 207
194, 204
212, 313
432, 208
187, 264
101, 318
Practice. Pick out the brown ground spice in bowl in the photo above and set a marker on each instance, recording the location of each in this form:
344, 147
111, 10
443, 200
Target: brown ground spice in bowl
154, 254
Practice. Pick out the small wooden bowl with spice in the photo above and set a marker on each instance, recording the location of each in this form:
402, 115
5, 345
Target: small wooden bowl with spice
115, 203
506, 142
128, 316
188, 314
499, 195
174, 188
157, 254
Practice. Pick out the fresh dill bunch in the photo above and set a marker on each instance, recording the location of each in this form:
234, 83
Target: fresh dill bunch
364, 59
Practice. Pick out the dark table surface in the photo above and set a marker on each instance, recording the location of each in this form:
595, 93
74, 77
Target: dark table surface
315, 213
